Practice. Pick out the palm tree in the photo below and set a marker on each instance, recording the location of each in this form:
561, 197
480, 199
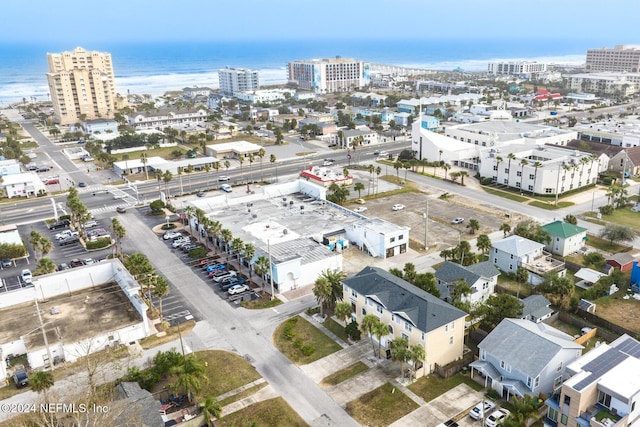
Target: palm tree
200, 218
446, 168
272, 160
483, 243
180, 172
462, 175
241, 160
210, 408
417, 355
262, 266
523, 163
505, 228
213, 229
226, 237
189, 375
322, 292
144, 159
498, 161
41, 381
380, 330
167, 176
161, 289
237, 245
536, 165
358, 186
248, 253
119, 232
261, 154
510, 156
473, 226
44, 266
378, 172
400, 352
35, 238
343, 311
369, 325
189, 211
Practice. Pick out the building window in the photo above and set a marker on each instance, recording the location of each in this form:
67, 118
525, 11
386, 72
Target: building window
393, 239
529, 381
604, 399
451, 340
518, 173
532, 176
495, 260
552, 414
503, 364
422, 336
557, 382
548, 190
405, 336
511, 256
510, 266
506, 170
400, 237
517, 184
559, 368
564, 419
505, 181
567, 400
354, 294
530, 187
446, 328
379, 309
364, 311
495, 167
407, 326
393, 317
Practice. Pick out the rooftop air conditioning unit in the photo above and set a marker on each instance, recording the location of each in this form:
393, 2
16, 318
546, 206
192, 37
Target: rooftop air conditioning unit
285, 231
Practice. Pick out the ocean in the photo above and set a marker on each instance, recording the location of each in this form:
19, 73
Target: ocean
155, 68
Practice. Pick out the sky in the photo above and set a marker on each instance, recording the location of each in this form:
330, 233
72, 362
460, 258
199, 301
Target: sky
77, 22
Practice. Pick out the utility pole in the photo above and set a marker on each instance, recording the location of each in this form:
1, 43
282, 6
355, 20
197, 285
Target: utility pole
270, 267
426, 226
44, 335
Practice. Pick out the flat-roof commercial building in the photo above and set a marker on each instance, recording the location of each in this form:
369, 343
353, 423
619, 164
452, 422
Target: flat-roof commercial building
329, 75
83, 310
81, 84
620, 58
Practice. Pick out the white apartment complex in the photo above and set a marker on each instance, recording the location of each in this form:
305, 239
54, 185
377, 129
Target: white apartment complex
329, 75
517, 67
81, 85
234, 80
620, 58
604, 83
264, 95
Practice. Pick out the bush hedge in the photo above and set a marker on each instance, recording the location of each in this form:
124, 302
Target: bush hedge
99, 243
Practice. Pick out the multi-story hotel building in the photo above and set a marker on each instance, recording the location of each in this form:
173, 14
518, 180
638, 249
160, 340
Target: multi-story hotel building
329, 75
81, 84
517, 68
620, 58
234, 80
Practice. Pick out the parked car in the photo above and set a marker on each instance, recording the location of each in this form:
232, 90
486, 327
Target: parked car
397, 207
216, 267
171, 235
238, 289
219, 278
88, 261
63, 266
217, 273
20, 377
82, 184
481, 409
43, 169
457, 220
69, 241
201, 194
6, 263
226, 188
51, 181
180, 241
66, 233
121, 209
360, 209
497, 417
90, 224
360, 201
328, 162
233, 282
76, 262
59, 224
26, 276
224, 178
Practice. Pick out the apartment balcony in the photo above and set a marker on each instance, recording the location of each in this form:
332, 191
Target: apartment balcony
544, 264
600, 416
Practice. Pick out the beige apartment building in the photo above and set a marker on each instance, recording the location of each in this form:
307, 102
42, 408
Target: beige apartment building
408, 312
620, 58
82, 85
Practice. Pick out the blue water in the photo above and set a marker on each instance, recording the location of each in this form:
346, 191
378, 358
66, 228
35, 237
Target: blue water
156, 68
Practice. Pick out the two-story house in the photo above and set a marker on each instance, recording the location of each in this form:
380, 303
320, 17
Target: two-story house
409, 312
481, 278
565, 238
520, 357
515, 251
602, 389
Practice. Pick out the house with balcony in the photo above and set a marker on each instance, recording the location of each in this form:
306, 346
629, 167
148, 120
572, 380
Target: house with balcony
515, 251
602, 388
520, 357
565, 238
408, 312
481, 278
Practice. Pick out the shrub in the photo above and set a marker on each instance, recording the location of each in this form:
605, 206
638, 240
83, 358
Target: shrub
493, 394
169, 226
353, 331
156, 207
307, 350
99, 243
197, 253
606, 209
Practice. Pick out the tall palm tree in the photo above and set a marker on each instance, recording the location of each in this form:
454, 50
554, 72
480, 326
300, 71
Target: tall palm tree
237, 245
262, 267
226, 237
167, 176
272, 160
261, 154
145, 159
378, 172
417, 355
180, 172
498, 161
523, 163
369, 325
189, 211
536, 165
248, 253
446, 168
510, 156
462, 175
214, 228
161, 289
380, 330
400, 351
322, 292
200, 217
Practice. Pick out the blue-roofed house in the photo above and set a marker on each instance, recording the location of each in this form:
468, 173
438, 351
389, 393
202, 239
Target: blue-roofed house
481, 278
520, 357
409, 312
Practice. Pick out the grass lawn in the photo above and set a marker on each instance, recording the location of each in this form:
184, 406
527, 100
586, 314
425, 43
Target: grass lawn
624, 216
505, 194
620, 311
273, 413
512, 287
550, 206
336, 328
226, 371
261, 303
346, 373
605, 245
381, 407
431, 386
302, 342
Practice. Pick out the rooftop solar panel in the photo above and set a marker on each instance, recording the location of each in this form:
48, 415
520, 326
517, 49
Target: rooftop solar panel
629, 346
601, 365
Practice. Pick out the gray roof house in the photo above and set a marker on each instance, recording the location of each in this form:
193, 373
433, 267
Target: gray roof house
536, 308
521, 357
481, 277
515, 251
409, 312
142, 408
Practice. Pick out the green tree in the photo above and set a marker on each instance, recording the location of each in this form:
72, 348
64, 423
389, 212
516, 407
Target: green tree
417, 355
161, 290
189, 376
570, 219
483, 243
531, 230
44, 266
343, 311
358, 186
248, 253
400, 352
505, 228
618, 233
322, 292
262, 266
119, 232
498, 307
41, 381
210, 408
522, 278
380, 330
427, 282
339, 193
473, 226
369, 326
237, 245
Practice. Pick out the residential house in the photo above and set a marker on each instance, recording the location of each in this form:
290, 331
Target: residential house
602, 389
409, 312
520, 357
627, 161
515, 251
481, 278
565, 238
536, 308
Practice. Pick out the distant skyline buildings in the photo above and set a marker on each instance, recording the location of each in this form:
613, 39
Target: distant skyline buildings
517, 68
81, 85
620, 58
235, 80
329, 75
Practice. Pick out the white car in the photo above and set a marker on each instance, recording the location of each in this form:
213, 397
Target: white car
497, 417
226, 188
180, 241
88, 261
237, 289
360, 209
397, 207
90, 224
26, 276
224, 178
481, 409
66, 233
171, 235
457, 220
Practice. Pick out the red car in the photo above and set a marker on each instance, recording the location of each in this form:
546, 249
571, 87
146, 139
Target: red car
52, 181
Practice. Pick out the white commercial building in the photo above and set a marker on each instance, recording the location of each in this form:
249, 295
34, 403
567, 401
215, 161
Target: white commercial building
604, 83
170, 117
517, 68
234, 80
22, 185
329, 75
264, 95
